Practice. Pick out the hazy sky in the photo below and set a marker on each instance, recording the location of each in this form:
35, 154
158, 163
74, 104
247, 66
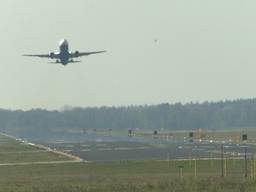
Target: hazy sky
206, 50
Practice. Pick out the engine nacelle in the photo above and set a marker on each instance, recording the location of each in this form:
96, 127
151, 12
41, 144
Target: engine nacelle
76, 53
52, 55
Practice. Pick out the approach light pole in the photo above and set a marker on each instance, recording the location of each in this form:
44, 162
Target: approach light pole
222, 160
244, 138
191, 140
245, 162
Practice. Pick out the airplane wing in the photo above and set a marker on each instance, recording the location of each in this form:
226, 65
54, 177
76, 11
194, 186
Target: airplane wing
81, 54
51, 55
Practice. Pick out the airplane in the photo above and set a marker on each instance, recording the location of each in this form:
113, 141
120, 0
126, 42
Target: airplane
64, 56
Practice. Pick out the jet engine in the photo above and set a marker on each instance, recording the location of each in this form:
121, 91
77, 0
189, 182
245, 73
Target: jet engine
76, 53
52, 55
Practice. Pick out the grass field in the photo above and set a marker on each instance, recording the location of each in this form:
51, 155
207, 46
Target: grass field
124, 176
17, 151
116, 176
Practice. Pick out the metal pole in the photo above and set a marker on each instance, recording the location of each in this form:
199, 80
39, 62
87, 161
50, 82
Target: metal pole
245, 162
211, 160
254, 168
222, 160
181, 174
190, 158
225, 167
251, 165
168, 159
195, 169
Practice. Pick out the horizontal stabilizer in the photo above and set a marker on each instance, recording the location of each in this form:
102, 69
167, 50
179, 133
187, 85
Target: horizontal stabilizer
75, 61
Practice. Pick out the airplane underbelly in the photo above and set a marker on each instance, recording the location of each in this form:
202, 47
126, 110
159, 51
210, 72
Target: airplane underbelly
64, 58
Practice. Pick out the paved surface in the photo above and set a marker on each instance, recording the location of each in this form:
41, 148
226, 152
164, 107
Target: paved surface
157, 150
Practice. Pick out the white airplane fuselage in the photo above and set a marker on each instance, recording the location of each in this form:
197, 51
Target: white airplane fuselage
64, 52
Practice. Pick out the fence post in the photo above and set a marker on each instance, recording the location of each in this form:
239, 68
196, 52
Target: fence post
225, 167
195, 170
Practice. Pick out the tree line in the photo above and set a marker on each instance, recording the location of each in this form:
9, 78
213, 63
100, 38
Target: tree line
207, 115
